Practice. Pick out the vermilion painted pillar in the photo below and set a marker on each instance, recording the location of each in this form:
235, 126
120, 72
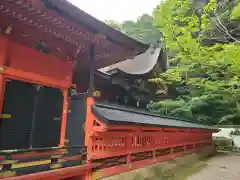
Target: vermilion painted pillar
64, 117
129, 146
89, 125
88, 133
3, 59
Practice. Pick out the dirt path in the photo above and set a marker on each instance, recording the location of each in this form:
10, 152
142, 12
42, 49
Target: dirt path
225, 167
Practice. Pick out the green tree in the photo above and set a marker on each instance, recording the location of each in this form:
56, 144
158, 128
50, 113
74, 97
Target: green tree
236, 11
114, 24
207, 77
142, 30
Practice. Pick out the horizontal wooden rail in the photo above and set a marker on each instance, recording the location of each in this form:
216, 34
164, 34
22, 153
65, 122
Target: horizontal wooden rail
27, 161
128, 163
45, 149
110, 144
58, 174
122, 149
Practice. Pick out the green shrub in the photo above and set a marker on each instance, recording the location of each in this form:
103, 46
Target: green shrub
222, 142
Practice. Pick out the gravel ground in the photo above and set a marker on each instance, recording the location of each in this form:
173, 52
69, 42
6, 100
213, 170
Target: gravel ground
220, 168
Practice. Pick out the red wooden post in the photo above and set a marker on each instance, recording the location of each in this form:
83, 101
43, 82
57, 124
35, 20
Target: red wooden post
87, 176
154, 154
3, 58
129, 160
64, 117
2, 90
88, 135
89, 126
130, 144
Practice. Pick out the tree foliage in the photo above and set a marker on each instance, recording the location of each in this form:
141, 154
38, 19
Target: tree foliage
235, 14
114, 24
206, 76
142, 30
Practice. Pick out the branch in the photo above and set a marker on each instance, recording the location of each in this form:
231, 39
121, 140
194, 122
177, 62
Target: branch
224, 29
221, 26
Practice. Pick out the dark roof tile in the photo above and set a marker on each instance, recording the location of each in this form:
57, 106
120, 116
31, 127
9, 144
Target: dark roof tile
116, 115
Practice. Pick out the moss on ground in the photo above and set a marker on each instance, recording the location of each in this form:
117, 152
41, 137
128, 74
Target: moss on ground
180, 172
183, 173
174, 169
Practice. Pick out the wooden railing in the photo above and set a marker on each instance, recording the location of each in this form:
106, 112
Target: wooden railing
27, 161
112, 152
117, 143
123, 150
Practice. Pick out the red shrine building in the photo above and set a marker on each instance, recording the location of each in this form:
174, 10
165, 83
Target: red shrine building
53, 59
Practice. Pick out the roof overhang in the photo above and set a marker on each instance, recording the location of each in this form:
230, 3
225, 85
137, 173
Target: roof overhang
67, 30
68, 10
141, 64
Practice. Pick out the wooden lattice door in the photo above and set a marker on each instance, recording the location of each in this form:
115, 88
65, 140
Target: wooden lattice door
15, 132
36, 116
48, 117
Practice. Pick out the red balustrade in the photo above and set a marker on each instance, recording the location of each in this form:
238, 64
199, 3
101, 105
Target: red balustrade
108, 144
122, 148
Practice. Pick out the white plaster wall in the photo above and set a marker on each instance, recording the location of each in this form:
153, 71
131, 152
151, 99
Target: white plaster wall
225, 132
236, 140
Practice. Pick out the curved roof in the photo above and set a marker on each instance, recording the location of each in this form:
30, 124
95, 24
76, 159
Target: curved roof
140, 64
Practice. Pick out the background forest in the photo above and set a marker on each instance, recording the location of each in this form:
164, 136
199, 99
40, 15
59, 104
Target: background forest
203, 39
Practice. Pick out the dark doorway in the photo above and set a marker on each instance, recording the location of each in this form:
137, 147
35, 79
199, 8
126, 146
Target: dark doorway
75, 132
48, 118
36, 116
19, 103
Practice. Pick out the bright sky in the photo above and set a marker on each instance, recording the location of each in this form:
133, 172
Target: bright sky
118, 10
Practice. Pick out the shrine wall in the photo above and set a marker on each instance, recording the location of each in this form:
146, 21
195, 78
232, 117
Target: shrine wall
30, 60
